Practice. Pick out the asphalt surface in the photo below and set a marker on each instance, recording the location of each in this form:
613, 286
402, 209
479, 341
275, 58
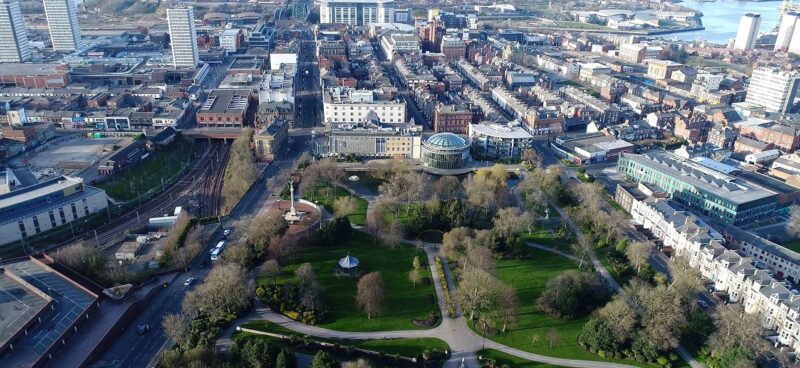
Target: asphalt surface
308, 95
134, 350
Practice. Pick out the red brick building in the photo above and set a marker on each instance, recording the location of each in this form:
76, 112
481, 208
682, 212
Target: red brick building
34, 75
224, 108
785, 138
452, 118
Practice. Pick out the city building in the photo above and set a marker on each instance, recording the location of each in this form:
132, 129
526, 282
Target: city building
280, 56
14, 46
785, 31
183, 37
224, 108
349, 105
47, 309
453, 48
784, 136
34, 75
231, 40
31, 210
714, 194
356, 12
747, 34
638, 52
271, 139
400, 43
773, 88
662, 69
124, 159
451, 118
62, 20
590, 147
499, 141
373, 139
446, 151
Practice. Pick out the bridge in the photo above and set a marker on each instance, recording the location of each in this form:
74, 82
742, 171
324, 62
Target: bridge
224, 134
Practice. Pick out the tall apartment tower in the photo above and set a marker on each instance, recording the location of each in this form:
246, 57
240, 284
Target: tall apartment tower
786, 30
773, 88
183, 37
62, 19
14, 46
748, 32
356, 12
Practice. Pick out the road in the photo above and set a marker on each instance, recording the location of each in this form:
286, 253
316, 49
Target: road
308, 95
134, 350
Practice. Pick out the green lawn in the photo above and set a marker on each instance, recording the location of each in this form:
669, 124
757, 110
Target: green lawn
793, 245
326, 196
529, 278
543, 234
404, 347
148, 175
403, 301
512, 361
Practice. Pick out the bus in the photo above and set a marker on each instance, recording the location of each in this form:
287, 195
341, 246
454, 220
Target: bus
217, 252
219, 245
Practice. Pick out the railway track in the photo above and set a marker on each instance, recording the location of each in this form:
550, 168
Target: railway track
163, 203
212, 187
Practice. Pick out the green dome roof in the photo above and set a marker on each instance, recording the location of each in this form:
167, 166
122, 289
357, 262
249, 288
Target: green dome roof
446, 140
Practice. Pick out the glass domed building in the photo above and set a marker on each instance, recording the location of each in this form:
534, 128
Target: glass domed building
445, 151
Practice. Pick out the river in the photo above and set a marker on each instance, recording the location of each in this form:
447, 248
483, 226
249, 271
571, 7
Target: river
721, 18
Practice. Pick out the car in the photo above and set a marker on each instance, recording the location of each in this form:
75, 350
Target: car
188, 281
142, 329
226, 232
702, 303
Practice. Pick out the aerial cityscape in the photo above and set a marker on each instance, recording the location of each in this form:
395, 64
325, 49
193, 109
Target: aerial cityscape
399, 183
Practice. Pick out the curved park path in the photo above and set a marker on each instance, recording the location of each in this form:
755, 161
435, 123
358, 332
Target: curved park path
464, 343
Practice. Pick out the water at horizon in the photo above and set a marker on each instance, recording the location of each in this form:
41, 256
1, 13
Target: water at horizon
721, 18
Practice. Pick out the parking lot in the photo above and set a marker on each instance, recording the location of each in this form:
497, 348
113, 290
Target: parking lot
71, 153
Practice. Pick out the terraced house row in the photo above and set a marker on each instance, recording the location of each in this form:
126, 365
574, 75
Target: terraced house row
751, 270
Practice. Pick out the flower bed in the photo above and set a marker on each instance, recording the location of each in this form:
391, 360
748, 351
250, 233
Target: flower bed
447, 300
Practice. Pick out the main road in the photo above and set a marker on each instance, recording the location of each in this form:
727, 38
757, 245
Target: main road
134, 350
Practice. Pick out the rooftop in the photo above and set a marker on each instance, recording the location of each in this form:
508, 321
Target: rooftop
226, 101
735, 190
500, 131
446, 140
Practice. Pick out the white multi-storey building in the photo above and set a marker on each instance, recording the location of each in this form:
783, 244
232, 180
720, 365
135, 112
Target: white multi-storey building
348, 105
62, 19
400, 43
747, 275
356, 12
183, 37
786, 30
230, 39
748, 32
773, 89
14, 46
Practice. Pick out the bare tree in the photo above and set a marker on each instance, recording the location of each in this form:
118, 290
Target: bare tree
508, 306
663, 319
305, 274
261, 229
272, 269
532, 157
392, 234
455, 242
344, 206
477, 292
225, 291
510, 221
80, 257
415, 275
686, 280
479, 257
447, 187
176, 327
407, 187
638, 253
370, 293
241, 171
553, 337
621, 319
360, 363
240, 253
581, 250
735, 329
793, 225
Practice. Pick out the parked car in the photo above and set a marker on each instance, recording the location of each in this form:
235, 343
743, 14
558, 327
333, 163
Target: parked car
142, 329
702, 303
188, 281
226, 232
